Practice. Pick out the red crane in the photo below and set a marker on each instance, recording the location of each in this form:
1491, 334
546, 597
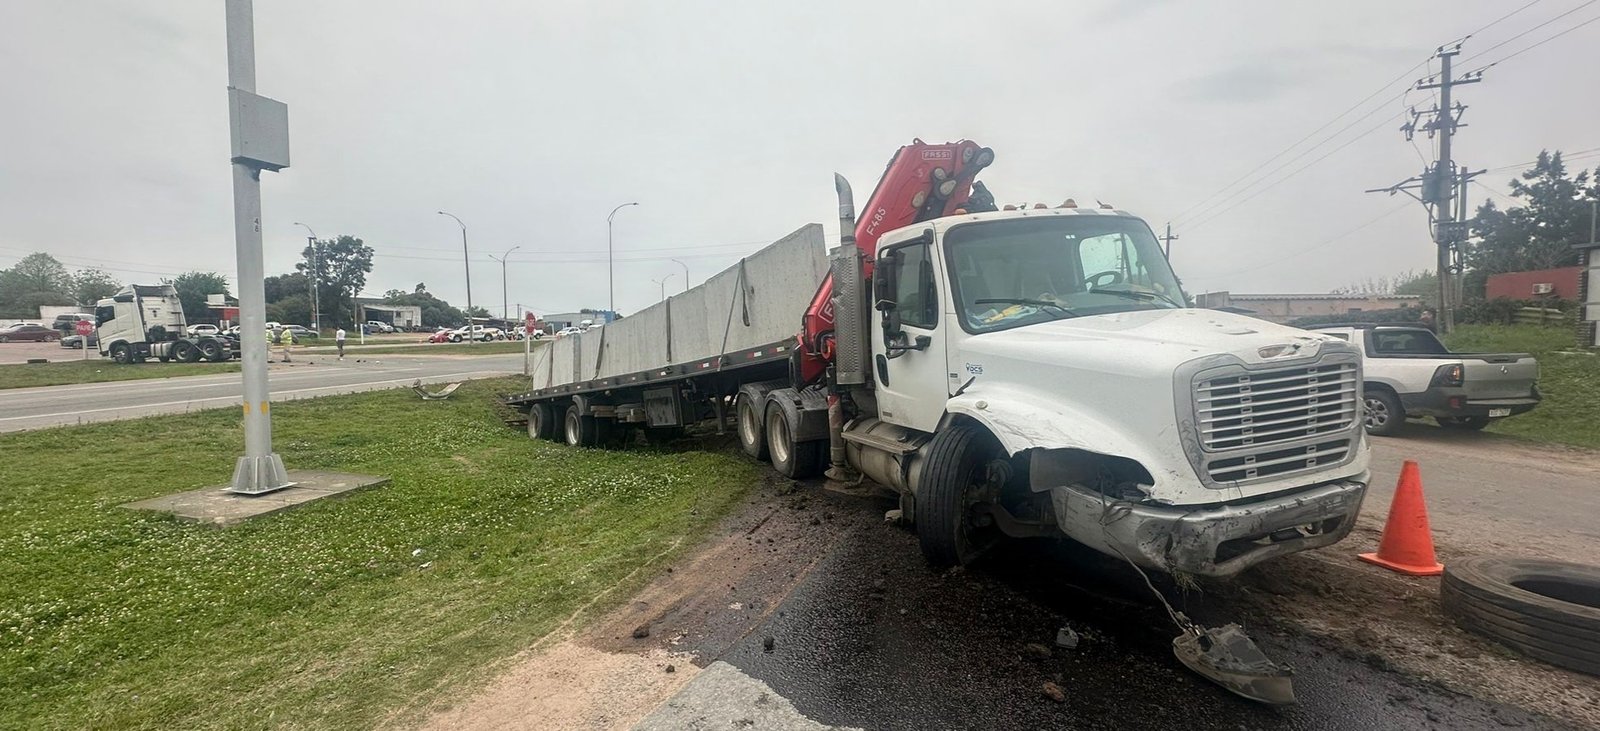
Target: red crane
921, 182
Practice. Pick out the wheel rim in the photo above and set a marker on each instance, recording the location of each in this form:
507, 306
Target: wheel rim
749, 426
572, 428
1377, 413
778, 429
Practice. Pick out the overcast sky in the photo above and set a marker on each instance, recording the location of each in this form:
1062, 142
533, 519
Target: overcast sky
725, 121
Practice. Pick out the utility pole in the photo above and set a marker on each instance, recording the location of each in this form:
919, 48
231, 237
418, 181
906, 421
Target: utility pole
1442, 188
663, 282
1169, 238
259, 140
316, 274
505, 308
466, 265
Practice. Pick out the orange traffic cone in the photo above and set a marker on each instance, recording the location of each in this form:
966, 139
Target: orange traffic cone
1407, 543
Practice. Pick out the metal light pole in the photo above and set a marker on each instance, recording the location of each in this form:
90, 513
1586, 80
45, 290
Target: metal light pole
663, 282
259, 140
466, 266
316, 272
505, 308
611, 278
685, 273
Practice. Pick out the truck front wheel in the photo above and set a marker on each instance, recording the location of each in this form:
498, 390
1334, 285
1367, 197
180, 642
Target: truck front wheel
952, 525
121, 354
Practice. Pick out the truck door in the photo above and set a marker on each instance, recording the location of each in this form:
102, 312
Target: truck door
908, 343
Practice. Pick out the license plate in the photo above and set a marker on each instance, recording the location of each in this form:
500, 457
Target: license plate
1499, 412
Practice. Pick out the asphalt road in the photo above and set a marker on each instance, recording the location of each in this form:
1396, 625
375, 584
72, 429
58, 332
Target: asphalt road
307, 377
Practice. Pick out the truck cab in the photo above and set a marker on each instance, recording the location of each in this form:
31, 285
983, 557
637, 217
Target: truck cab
146, 321
1087, 397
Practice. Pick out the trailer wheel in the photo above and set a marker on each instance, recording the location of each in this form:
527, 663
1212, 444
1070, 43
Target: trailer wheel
542, 422
120, 353
578, 430
211, 350
955, 478
794, 460
751, 426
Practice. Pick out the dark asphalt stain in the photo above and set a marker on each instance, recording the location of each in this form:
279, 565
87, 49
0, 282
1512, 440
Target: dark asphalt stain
873, 638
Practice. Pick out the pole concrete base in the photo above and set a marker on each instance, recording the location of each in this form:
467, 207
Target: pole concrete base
259, 475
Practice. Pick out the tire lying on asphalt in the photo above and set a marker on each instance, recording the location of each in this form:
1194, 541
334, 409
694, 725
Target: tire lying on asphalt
1547, 610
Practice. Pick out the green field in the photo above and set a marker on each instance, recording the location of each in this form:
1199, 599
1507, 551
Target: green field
322, 616
100, 370
1570, 382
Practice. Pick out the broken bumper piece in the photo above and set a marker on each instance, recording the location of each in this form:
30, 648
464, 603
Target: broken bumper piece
1219, 540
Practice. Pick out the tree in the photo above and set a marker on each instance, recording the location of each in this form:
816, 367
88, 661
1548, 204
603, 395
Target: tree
286, 285
291, 309
193, 287
92, 285
435, 312
38, 279
340, 267
1538, 233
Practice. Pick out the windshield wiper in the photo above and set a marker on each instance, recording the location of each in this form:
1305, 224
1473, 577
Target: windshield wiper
1136, 295
1024, 301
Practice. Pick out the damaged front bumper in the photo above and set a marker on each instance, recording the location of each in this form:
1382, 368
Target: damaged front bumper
1219, 540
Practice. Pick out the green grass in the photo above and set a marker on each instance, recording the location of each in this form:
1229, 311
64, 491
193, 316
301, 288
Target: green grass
319, 617
1570, 383
492, 348
99, 370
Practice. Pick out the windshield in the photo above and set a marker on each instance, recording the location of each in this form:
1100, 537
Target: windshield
1027, 270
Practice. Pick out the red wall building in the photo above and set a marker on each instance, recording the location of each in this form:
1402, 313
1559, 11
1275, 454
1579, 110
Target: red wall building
1520, 285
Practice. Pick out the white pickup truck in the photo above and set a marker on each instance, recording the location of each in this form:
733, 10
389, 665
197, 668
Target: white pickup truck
1409, 373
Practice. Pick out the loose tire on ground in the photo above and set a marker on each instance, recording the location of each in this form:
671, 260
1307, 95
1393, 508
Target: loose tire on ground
1547, 610
956, 465
1383, 413
578, 430
794, 460
542, 422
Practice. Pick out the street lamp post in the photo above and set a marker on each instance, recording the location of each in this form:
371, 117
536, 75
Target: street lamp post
505, 309
611, 278
466, 266
663, 282
316, 273
685, 273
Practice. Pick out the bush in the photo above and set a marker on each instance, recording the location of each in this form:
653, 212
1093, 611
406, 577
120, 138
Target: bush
1406, 315
1503, 311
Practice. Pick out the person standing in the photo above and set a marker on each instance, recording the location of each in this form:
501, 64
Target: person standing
338, 339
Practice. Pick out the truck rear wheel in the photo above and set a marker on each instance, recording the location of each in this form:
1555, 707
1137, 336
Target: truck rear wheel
185, 351
751, 425
542, 422
1384, 414
578, 430
212, 350
794, 460
952, 488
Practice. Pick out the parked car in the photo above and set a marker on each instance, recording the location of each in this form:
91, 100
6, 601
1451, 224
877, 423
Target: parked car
68, 322
442, 335
28, 332
203, 329
76, 341
479, 333
1408, 373
569, 330
301, 332
379, 326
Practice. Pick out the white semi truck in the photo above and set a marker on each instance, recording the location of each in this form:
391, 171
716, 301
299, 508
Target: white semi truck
146, 321
1023, 372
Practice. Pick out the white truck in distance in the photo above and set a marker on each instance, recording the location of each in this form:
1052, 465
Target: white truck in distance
1026, 373
146, 321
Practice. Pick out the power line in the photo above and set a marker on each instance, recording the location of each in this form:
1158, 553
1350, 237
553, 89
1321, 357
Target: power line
1213, 215
1530, 30
1565, 157
1503, 59
1496, 21
1298, 142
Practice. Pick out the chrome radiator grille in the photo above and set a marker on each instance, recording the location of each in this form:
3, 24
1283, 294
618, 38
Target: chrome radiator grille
1260, 424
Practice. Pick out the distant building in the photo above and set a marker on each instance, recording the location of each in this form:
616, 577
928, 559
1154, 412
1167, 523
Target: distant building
403, 317
1286, 307
1559, 283
1588, 293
